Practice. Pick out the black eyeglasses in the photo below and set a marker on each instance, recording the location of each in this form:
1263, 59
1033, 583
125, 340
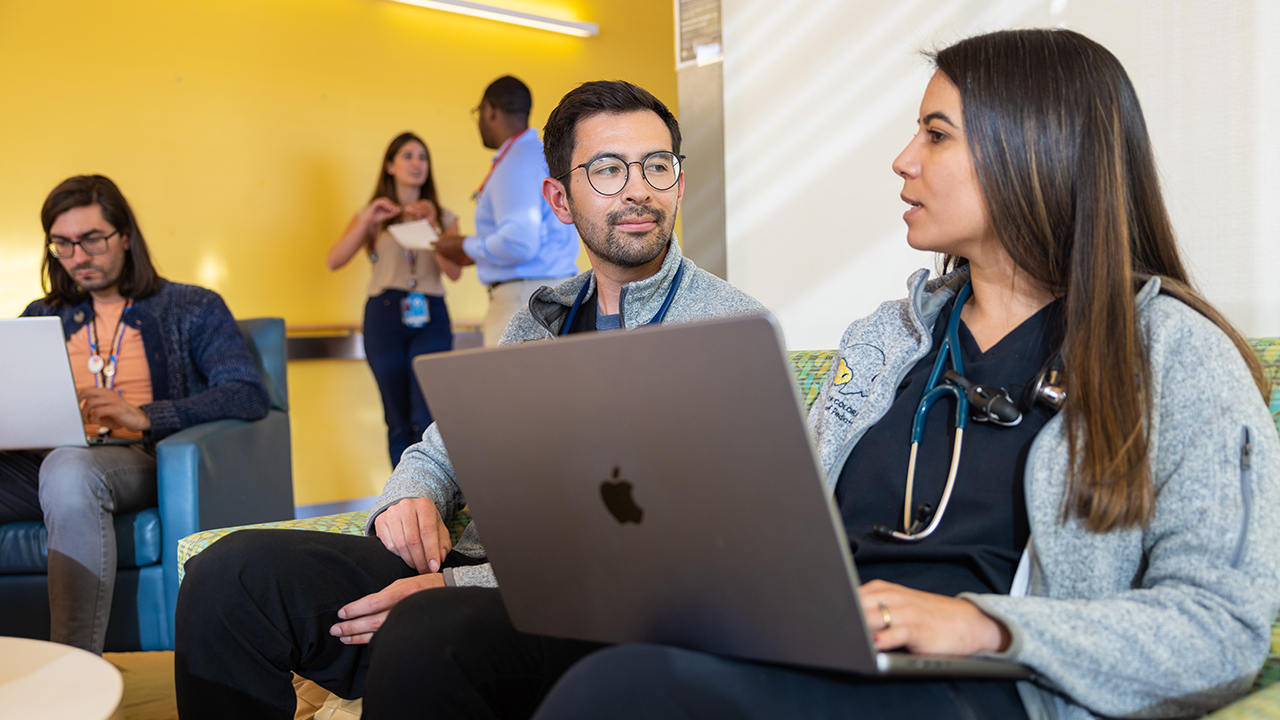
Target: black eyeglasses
608, 175
60, 247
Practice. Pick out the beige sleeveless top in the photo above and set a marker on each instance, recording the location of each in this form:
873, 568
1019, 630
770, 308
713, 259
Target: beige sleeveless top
392, 270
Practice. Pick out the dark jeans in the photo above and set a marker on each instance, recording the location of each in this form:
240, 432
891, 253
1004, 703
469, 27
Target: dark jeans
258, 604
390, 346
630, 682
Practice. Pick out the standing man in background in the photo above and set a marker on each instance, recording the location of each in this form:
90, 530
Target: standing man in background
519, 245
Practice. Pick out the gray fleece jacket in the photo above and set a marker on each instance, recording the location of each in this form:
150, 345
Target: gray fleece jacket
1170, 620
425, 469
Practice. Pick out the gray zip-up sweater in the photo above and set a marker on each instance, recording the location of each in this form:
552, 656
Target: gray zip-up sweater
1170, 620
425, 469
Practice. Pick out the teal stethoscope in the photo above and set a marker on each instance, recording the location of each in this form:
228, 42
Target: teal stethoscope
656, 320
984, 403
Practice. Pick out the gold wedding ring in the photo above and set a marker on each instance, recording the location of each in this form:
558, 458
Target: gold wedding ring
884, 613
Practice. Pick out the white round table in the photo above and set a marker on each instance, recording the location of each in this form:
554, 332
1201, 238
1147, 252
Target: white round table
41, 679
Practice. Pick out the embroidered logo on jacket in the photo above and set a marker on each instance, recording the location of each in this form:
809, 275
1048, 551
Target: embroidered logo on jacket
843, 375
857, 371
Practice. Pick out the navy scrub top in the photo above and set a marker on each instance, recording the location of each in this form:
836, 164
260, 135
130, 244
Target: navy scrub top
980, 539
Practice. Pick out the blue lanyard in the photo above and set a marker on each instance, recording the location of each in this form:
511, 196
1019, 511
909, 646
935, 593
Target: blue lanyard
657, 319
97, 367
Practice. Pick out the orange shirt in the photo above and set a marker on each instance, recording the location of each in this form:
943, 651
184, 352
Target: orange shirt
133, 375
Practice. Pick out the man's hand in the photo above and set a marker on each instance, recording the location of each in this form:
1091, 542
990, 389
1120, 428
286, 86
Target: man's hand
104, 407
450, 248
931, 624
423, 210
450, 268
362, 618
413, 529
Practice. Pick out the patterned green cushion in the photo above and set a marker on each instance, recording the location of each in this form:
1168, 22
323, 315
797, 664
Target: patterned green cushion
1268, 350
1264, 705
351, 523
811, 368
1270, 673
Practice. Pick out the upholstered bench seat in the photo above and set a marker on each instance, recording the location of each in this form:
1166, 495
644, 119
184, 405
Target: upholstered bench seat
811, 368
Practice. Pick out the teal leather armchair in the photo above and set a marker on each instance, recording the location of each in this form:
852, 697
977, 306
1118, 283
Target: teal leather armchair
226, 472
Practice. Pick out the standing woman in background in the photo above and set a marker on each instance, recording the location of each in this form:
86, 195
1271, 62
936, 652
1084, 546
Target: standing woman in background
405, 315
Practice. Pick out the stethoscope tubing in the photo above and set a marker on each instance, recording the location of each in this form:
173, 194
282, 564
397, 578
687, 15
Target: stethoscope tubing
950, 350
946, 493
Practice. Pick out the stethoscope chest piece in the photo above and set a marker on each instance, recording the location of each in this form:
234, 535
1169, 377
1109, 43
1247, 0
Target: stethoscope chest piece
1048, 388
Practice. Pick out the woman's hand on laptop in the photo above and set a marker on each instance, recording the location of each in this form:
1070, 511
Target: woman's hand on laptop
362, 618
104, 407
413, 529
926, 623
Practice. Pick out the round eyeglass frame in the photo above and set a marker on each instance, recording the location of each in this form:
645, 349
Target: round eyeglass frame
53, 249
679, 163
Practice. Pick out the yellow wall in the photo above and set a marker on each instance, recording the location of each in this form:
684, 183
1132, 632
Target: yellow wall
246, 132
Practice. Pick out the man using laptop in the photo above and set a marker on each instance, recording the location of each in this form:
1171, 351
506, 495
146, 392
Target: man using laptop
259, 604
149, 357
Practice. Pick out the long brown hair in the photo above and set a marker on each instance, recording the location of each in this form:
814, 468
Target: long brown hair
1067, 170
138, 279
386, 187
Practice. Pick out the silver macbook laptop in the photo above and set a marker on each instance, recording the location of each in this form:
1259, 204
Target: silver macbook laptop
39, 408
659, 485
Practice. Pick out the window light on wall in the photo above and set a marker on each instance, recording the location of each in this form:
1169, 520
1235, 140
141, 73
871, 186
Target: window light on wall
490, 12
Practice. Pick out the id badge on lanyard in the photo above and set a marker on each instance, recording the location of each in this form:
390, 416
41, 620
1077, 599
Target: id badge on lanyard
414, 311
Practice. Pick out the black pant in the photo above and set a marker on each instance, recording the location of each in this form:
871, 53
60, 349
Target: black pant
19, 486
453, 653
390, 346
651, 682
258, 604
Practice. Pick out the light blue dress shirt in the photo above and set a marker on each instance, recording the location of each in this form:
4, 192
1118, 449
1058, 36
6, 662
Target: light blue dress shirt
517, 235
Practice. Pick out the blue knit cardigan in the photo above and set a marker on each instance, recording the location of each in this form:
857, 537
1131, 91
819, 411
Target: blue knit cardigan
201, 369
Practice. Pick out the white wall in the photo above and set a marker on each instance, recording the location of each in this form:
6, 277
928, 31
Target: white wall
821, 95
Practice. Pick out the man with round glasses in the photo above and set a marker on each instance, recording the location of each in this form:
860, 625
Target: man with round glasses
259, 604
149, 358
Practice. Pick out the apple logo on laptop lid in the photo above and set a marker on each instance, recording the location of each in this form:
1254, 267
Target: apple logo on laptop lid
617, 498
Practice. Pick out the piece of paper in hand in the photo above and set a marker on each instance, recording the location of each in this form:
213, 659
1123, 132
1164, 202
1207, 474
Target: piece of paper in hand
416, 235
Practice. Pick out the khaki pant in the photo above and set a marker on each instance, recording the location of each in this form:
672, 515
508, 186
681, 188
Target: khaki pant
505, 300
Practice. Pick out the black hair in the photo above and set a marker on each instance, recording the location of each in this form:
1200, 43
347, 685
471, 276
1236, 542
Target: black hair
592, 98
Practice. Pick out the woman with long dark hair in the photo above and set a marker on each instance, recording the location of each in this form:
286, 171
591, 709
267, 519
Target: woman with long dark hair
1120, 539
405, 315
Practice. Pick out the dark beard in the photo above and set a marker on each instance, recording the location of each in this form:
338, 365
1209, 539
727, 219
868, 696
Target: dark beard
636, 250
106, 281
